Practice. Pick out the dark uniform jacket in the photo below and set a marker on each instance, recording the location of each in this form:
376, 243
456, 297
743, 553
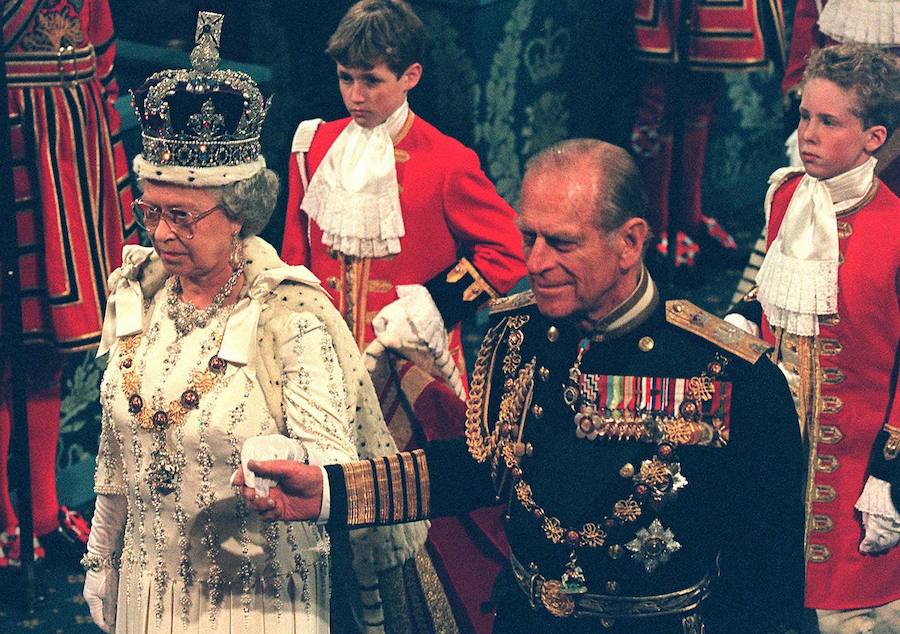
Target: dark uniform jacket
715, 496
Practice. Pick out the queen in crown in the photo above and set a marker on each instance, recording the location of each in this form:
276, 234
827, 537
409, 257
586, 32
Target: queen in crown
219, 353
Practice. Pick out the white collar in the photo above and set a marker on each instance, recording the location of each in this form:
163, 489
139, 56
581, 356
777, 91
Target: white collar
798, 279
848, 188
354, 196
141, 274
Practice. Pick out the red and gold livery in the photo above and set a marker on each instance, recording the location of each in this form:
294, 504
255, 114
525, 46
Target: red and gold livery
720, 34
845, 391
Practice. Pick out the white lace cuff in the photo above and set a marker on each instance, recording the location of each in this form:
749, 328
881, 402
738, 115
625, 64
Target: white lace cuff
876, 500
875, 22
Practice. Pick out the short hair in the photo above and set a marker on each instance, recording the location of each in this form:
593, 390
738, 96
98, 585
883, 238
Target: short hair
871, 73
375, 31
620, 194
251, 201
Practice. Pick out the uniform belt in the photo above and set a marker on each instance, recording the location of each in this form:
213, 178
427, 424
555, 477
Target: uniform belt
546, 595
65, 67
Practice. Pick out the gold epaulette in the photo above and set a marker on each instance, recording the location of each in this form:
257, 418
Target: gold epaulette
511, 302
687, 316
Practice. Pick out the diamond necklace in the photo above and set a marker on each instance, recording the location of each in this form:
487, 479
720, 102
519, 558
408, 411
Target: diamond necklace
186, 316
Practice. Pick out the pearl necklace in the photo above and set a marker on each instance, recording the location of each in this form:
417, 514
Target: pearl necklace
186, 316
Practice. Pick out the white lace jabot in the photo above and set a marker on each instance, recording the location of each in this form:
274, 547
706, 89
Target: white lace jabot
354, 196
798, 277
875, 22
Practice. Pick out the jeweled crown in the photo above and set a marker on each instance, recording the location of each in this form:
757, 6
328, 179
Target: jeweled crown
201, 117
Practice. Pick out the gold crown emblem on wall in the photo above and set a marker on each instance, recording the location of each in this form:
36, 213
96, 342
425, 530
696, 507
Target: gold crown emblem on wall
546, 53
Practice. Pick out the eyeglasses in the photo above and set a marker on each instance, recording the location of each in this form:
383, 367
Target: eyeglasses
181, 222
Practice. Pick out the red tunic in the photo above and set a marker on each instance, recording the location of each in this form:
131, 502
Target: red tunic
71, 182
854, 355
723, 35
450, 210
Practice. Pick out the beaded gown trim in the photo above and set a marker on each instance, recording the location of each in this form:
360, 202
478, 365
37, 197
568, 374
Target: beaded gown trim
174, 418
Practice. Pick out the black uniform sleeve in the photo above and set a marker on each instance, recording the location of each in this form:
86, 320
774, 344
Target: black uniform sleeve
442, 479
459, 291
884, 462
750, 309
761, 564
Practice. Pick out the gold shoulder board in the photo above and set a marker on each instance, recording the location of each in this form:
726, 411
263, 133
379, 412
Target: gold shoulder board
512, 302
687, 316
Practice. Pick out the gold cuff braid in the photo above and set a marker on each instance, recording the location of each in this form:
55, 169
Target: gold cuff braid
387, 490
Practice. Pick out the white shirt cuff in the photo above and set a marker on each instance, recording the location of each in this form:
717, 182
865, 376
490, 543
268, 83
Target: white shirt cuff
325, 511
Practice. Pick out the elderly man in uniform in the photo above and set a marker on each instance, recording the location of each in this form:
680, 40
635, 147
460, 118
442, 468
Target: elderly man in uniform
648, 451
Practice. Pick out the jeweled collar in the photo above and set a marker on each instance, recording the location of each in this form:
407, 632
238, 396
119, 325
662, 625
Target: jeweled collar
630, 313
142, 275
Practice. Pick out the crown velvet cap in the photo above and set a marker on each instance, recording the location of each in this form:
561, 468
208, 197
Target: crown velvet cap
200, 126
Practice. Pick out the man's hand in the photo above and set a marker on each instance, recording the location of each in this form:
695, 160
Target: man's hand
268, 447
297, 494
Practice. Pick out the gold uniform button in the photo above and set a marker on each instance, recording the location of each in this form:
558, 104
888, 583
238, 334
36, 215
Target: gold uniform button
538, 411
612, 587
332, 281
627, 470
646, 344
544, 373
552, 334
615, 551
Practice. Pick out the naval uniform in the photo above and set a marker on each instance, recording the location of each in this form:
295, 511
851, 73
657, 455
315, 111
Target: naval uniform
685, 509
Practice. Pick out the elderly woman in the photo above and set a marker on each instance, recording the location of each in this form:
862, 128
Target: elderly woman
218, 353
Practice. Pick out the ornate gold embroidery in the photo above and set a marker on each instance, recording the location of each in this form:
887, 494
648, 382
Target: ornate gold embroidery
627, 510
52, 32
701, 387
654, 472
892, 446
818, 553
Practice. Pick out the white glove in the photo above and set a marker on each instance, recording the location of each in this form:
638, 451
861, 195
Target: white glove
269, 447
792, 150
413, 319
413, 327
882, 533
743, 323
100, 590
101, 587
879, 517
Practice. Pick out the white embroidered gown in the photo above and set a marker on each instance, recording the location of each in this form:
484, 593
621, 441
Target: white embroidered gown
195, 559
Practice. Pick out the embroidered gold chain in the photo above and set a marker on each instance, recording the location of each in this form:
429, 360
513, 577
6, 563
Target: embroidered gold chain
201, 382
